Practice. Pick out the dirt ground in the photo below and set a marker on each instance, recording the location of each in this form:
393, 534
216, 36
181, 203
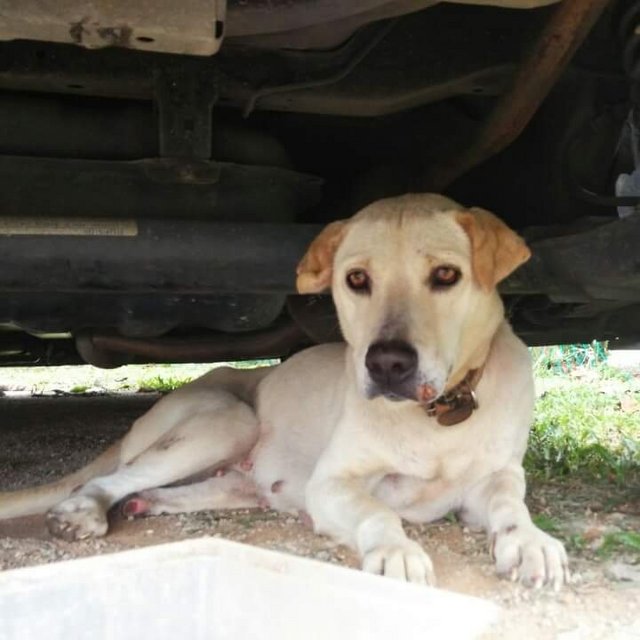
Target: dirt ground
44, 437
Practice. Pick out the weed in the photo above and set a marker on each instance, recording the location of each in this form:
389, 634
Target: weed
545, 523
165, 382
576, 543
608, 373
619, 541
161, 384
565, 358
79, 388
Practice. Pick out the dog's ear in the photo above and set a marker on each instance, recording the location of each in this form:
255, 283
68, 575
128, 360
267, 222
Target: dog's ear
316, 267
496, 250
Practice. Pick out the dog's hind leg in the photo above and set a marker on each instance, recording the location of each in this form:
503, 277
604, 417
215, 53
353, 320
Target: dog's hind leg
233, 490
213, 435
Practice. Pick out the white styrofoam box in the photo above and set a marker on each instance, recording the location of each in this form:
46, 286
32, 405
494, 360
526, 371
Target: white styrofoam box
211, 588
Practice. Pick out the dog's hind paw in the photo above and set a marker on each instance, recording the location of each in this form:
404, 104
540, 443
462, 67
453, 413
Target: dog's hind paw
77, 518
531, 556
406, 561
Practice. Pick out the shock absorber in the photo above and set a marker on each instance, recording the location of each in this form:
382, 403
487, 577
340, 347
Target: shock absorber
628, 184
629, 33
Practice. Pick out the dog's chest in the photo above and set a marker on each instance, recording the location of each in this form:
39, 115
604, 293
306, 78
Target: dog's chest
433, 461
423, 449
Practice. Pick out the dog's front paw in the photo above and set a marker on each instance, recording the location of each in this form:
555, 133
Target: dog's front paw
530, 555
406, 561
77, 518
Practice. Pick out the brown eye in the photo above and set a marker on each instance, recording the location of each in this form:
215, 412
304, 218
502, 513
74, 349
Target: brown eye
358, 281
442, 277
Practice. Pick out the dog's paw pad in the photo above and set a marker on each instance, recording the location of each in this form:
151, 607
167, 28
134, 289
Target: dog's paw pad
135, 506
530, 556
77, 518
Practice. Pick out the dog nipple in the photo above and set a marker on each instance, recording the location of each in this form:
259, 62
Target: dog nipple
276, 487
246, 464
306, 519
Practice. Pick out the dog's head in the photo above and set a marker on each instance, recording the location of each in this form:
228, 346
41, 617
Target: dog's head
414, 282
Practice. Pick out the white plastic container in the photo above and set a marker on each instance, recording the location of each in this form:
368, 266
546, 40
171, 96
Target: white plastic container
215, 589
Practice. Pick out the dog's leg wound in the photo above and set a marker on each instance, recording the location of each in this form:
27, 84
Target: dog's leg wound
520, 549
199, 442
230, 491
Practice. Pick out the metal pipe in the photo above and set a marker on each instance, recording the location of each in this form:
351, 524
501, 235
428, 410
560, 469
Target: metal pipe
149, 256
331, 79
279, 341
562, 35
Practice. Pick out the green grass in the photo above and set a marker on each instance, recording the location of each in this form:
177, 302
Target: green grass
80, 379
579, 429
586, 423
161, 384
546, 523
615, 542
563, 358
166, 383
626, 541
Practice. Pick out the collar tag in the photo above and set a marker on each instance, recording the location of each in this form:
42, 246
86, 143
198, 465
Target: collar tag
458, 403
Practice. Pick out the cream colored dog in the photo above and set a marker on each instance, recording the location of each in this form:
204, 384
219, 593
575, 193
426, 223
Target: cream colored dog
425, 410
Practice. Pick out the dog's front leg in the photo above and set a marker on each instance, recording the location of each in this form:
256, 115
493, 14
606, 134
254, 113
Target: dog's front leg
342, 506
520, 549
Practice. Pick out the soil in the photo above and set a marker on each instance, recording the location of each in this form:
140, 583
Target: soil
42, 438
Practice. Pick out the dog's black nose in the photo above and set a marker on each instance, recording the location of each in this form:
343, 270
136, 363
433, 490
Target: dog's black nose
391, 362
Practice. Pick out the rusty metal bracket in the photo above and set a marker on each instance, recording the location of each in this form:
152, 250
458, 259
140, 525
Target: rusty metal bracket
554, 48
184, 100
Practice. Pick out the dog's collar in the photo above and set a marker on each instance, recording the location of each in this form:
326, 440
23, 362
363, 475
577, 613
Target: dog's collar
458, 403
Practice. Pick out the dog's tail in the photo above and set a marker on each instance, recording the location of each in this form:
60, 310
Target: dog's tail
35, 500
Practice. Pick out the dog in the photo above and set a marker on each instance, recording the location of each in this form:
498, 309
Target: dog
424, 410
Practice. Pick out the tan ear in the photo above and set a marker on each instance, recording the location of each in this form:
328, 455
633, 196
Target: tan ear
316, 267
496, 249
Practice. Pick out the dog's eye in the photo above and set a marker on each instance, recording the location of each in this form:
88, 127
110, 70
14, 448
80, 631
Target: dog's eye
358, 280
442, 277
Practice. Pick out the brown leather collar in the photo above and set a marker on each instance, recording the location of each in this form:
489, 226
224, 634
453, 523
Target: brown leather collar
457, 404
